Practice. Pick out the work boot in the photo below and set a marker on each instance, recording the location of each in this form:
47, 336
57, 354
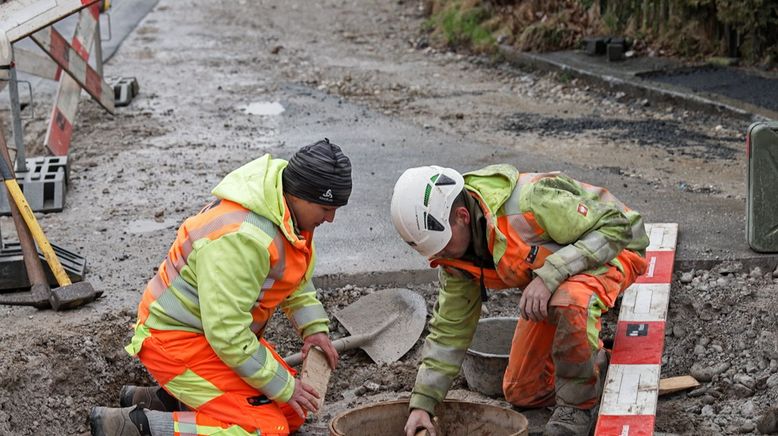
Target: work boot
569, 421
111, 421
148, 397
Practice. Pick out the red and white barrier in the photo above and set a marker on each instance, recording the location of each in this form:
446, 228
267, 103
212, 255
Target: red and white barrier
629, 399
70, 60
63, 115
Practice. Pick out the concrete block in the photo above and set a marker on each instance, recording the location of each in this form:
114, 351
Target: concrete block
43, 184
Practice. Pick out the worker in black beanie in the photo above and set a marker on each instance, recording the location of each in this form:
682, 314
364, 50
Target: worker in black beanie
316, 181
319, 173
202, 318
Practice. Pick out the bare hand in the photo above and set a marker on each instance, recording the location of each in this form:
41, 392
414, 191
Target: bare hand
534, 300
419, 418
322, 341
303, 399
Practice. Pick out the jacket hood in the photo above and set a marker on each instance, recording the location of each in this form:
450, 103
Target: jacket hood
494, 184
258, 187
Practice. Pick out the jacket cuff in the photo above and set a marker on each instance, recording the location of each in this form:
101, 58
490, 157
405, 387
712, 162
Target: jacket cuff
419, 401
322, 327
551, 276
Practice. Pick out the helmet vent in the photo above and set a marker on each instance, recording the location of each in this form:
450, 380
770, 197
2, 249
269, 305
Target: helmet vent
444, 180
433, 224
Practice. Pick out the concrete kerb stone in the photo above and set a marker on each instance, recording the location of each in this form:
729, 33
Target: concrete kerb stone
767, 262
636, 86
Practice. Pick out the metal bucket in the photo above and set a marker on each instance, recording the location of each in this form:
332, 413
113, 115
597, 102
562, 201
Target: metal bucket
487, 357
454, 417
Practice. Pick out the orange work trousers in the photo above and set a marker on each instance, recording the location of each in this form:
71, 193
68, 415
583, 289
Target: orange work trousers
170, 354
554, 361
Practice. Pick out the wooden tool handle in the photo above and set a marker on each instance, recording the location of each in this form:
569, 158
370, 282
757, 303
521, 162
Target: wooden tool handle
32, 263
316, 373
29, 217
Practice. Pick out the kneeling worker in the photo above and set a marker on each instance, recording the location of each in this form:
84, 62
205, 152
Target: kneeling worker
572, 248
202, 317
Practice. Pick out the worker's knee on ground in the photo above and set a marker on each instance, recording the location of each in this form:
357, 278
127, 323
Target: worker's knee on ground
528, 393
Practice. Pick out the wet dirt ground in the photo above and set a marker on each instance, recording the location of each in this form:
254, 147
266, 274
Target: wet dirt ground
135, 176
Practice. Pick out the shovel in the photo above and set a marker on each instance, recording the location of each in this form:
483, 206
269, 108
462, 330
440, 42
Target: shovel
385, 324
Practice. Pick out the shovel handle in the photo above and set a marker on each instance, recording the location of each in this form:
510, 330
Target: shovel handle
342, 344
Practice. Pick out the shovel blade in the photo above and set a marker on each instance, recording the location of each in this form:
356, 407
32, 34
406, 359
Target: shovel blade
406, 309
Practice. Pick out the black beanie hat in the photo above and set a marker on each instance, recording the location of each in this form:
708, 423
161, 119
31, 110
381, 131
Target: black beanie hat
319, 173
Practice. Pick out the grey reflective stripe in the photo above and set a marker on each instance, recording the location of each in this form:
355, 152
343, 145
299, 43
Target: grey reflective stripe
263, 223
524, 229
187, 423
512, 206
276, 384
156, 286
449, 355
602, 249
527, 234
253, 364
638, 230
171, 270
176, 310
178, 264
572, 260
603, 194
203, 231
433, 379
258, 327
277, 270
187, 290
306, 315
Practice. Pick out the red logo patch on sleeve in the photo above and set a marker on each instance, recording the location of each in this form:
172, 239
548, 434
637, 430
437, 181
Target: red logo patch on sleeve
582, 209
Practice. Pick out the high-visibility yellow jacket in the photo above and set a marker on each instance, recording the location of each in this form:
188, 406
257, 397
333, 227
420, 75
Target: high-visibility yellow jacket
229, 268
546, 225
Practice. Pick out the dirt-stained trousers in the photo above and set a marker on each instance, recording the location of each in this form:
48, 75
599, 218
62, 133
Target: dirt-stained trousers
554, 361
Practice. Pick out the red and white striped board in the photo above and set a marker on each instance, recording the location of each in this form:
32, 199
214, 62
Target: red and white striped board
63, 115
69, 59
21, 18
631, 390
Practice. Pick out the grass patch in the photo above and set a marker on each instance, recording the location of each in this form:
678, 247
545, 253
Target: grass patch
463, 28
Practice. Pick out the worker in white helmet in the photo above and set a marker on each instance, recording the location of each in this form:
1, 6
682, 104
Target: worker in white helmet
572, 248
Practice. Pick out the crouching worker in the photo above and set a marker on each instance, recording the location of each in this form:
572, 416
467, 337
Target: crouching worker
201, 318
572, 248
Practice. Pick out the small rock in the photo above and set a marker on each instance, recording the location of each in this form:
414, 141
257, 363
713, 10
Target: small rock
746, 427
707, 399
371, 386
772, 381
699, 350
741, 391
722, 282
697, 392
707, 410
747, 410
768, 423
755, 273
679, 331
717, 348
687, 277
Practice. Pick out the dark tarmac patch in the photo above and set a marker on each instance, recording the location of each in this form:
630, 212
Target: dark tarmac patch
670, 135
729, 82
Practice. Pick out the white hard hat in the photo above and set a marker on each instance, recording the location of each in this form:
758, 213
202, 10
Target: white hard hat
421, 204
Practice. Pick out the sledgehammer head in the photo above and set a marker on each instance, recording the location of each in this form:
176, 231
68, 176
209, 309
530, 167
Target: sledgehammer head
73, 295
